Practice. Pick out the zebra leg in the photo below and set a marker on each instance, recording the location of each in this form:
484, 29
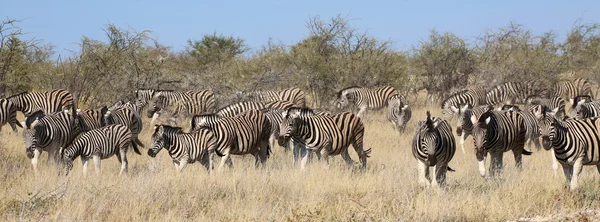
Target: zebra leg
123, 159
264, 153
84, 163
34, 160
154, 117
441, 171
576, 171
225, 159
305, 156
423, 172
568, 171
296, 152
482, 166
362, 112
463, 137
496, 162
182, 164
554, 162
96, 160
346, 157
211, 163
325, 156
433, 175
537, 144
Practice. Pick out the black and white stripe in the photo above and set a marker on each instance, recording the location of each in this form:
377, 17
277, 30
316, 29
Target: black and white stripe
294, 95
183, 147
245, 133
584, 107
575, 143
508, 93
127, 117
366, 98
433, 146
568, 90
473, 97
552, 103
464, 123
92, 118
399, 113
237, 108
99, 144
8, 114
327, 135
49, 133
48, 102
497, 132
532, 134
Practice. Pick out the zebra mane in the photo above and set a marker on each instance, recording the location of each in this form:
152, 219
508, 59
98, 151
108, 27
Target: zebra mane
33, 117
302, 111
347, 88
166, 127
18, 94
482, 119
580, 98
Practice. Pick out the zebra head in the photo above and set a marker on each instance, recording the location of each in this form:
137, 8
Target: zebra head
143, 96
463, 116
159, 140
428, 139
482, 132
577, 104
32, 126
404, 115
547, 122
290, 123
345, 97
67, 157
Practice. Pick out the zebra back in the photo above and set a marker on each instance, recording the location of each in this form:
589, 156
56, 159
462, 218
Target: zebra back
294, 95
237, 108
93, 118
571, 89
203, 100
507, 93
373, 98
498, 131
48, 102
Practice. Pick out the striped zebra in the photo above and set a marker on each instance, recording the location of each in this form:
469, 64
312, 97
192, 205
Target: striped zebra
8, 114
498, 132
126, 117
294, 95
568, 90
49, 133
48, 102
237, 108
464, 124
137, 106
92, 118
508, 93
433, 146
327, 135
246, 133
552, 102
584, 107
472, 97
99, 144
532, 134
367, 98
399, 113
183, 147
205, 100
186, 103
575, 143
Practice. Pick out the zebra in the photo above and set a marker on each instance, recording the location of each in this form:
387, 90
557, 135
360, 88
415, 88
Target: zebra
98, 144
367, 98
575, 143
294, 95
49, 133
204, 99
8, 114
508, 93
464, 123
433, 146
568, 90
186, 103
584, 107
136, 106
237, 108
183, 147
552, 102
126, 117
327, 135
532, 134
92, 118
472, 97
49, 102
399, 114
498, 132
246, 133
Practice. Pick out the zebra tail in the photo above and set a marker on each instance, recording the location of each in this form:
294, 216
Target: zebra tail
135, 148
527, 153
219, 153
137, 140
269, 151
451, 170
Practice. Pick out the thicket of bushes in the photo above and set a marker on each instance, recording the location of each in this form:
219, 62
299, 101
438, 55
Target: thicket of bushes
333, 56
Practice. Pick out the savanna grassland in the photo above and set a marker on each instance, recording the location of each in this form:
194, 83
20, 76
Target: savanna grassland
386, 191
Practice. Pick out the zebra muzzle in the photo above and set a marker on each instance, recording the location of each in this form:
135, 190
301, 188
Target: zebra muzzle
151, 153
546, 143
29, 154
459, 131
431, 160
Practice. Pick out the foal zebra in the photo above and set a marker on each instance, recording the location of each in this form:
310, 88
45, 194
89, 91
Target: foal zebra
328, 135
48, 102
246, 133
294, 95
575, 143
498, 132
367, 98
98, 144
433, 146
49, 133
183, 147
8, 114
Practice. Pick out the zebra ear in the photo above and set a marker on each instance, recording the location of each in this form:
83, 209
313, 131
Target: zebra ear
464, 108
473, 119
454, 109
553, 112
487, 120
404, 107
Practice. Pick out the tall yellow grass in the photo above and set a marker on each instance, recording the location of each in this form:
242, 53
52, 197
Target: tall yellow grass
387, 191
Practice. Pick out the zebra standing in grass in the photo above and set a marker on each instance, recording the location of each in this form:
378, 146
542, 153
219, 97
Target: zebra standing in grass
183, 147
575, 143
464, 123
92, 118
433, 146
294, 95
367, 98
98, 144
246, 133
498, 132
49, 133
48, 102
472, 97
126, 117
568, 90
552, 102
399, 113
8, 114
327, 135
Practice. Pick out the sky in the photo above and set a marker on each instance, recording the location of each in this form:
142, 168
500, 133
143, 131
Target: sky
406, 23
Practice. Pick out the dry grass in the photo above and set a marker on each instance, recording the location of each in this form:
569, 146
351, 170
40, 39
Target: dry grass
387, 191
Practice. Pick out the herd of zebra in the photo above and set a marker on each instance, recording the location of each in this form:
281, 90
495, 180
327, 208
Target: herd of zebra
252, 126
